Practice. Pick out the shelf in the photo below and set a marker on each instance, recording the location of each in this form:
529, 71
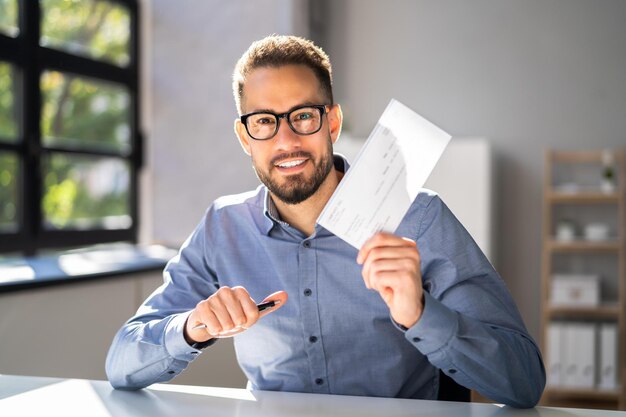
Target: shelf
584, 246
577, 157
583, 197
602, 312
572, 184
583, 393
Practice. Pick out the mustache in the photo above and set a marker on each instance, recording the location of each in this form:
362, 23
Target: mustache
298, 154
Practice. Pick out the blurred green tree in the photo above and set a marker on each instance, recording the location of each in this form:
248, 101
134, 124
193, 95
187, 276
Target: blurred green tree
77, 112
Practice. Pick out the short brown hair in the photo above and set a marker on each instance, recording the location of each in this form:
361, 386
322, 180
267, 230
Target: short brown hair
276, 51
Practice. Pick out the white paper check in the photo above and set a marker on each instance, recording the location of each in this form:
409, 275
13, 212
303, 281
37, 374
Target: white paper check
386, 176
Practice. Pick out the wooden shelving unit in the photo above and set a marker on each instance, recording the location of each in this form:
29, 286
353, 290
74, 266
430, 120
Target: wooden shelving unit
614, 311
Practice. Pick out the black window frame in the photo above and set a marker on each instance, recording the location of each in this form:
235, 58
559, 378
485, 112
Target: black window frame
31, 59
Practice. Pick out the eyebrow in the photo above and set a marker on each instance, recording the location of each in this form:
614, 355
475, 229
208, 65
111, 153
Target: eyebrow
306, 103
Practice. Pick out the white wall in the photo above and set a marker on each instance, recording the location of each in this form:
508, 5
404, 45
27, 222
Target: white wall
193, 157
527, 74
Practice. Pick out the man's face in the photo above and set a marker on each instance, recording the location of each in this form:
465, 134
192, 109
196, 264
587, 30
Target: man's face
292, 167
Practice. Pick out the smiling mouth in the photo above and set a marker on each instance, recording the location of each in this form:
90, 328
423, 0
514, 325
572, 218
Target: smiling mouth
291, 164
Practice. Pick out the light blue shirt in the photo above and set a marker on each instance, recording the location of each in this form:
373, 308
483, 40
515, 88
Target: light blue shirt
333, 335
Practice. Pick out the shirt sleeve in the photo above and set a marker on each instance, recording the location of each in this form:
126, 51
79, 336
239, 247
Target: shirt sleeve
470, 327
150, 347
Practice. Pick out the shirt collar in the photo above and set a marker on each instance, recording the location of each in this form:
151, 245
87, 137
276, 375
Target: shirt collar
272, 217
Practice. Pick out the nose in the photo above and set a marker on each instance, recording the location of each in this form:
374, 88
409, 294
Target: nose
286, 138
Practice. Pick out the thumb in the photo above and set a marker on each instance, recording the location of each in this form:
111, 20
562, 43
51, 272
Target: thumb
279, 297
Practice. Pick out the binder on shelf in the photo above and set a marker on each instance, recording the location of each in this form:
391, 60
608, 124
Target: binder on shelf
569, 376
579, 355
555, 354
607, 378
586, 352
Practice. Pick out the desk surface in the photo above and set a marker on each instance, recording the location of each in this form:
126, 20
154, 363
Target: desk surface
36, 396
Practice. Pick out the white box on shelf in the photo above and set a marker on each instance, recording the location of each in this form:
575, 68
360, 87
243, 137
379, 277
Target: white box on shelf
555, 354
597, 232
608, 357
575, 290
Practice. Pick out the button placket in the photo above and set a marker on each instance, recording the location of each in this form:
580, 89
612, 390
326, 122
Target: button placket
307, 272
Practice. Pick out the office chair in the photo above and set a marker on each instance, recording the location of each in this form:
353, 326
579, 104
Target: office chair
449, 390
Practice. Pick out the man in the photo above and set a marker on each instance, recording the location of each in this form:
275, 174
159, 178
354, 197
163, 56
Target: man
382, 321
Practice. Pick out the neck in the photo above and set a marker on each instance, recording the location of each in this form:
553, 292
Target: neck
303, 215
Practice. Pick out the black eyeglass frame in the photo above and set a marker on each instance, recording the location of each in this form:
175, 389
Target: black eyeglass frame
322, 108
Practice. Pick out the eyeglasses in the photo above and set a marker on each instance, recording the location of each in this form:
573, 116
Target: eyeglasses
303, 120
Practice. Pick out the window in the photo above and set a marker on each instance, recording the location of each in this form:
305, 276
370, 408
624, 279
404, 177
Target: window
70, 148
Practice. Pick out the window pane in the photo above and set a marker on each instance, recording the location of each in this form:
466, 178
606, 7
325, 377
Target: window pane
85, 113
8, 110
91, 28
8, 18
8, 192
83, 193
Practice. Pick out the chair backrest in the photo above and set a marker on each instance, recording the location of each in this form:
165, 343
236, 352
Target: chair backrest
449, 390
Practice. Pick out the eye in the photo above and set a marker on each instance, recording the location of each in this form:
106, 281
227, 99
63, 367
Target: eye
264, 120
305, 115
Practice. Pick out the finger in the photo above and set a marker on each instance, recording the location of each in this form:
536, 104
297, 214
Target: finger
385, 284
406, 257
248, 308
203, 316
236, 301
382, 239
220, 304
390, 258
280, 297
399, 280
403, 267
212, 323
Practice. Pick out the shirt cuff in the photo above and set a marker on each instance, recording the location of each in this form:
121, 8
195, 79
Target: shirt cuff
437, 325
175, 342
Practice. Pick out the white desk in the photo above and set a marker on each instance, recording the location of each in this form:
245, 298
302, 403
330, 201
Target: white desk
36, 396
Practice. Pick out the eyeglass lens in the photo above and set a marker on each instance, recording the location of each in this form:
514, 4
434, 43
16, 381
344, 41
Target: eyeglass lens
304, 121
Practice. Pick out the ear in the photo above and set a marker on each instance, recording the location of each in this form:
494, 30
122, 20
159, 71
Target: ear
335, 121
242, 135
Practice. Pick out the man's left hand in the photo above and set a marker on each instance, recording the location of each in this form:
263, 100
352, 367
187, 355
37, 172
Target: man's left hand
391, 266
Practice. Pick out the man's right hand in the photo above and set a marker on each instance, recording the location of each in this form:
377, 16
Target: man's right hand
226, 313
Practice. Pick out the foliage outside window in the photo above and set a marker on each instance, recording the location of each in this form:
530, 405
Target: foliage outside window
69, 145
91, 28
8, 192
84, 113
8, 17
8, 116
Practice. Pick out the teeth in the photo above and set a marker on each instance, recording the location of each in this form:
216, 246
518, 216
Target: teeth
291, 164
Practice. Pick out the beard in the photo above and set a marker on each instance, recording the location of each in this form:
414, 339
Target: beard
297, 188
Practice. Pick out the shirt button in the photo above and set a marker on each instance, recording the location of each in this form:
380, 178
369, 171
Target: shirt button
312, 339
452, 371
417, 339
319, 381
307, 243
308, 292
171, 372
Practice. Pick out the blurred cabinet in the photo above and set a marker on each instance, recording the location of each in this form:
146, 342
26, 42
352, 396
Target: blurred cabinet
583, 278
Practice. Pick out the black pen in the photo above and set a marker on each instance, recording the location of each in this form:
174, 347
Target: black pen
261, 307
